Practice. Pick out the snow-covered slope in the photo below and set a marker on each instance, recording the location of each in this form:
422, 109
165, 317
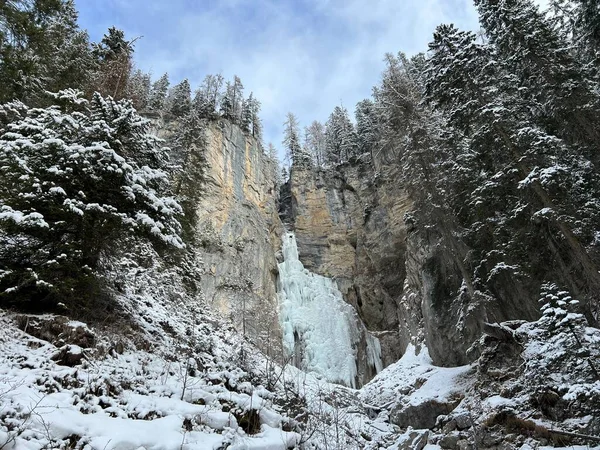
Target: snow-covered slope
158, 399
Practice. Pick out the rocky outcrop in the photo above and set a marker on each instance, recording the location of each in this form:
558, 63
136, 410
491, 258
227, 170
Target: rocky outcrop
238, 232
349, 226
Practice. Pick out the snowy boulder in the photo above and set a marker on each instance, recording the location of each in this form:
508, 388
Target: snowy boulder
68, 355
412, 440
423, 415
57, 330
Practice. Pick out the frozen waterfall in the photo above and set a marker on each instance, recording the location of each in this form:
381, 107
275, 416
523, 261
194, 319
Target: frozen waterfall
320, 330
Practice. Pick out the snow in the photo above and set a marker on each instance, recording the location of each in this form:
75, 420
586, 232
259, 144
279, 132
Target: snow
32, 219
414, 380
136, 400
320, 330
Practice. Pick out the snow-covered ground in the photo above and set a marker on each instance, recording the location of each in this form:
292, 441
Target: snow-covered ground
136, 399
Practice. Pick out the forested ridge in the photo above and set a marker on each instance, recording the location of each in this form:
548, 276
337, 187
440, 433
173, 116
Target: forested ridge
495, 135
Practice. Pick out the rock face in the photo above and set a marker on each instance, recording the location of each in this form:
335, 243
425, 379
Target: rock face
354, 224
239, 232
350, 229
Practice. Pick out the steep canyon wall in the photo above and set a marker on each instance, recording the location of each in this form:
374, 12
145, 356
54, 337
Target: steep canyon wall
350, 226
407, 287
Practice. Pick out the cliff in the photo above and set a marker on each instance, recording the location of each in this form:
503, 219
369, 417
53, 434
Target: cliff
351, 230
354, 225
237, 231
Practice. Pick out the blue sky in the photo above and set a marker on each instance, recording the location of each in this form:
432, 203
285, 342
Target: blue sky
303, 56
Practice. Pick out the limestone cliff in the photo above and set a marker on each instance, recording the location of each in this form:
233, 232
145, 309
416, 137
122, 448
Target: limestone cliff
351, 229
238, 232
350, 225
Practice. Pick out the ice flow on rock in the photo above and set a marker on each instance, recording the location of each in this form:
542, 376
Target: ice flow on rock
320, 330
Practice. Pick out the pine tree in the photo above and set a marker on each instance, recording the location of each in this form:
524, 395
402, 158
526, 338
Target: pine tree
251, 117
561, 317
291, 141
366, 126
179, 99
188, 145
41, 49
272, 152
227, 102
207, 98
232, 100
158, 93
70, 59
73, 181
138, 89
237, 97
561, 95
512, 173
114, 59
587, 25
340, 137
314, 142
246, 121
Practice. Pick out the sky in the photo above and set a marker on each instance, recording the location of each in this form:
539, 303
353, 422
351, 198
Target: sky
300, 56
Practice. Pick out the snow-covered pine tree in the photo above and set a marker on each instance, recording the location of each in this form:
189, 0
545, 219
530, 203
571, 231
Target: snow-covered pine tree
411, 140
298, 156
114, 61
563, 320
158, 93
587, 26
366, 126
508, 173
179, 99
255, 125
138, 89
246, 120
41, 48
314, 142
70, 62
561, 94
226, 107
187, 151
237, 98
208, 97
340, 137
73, 181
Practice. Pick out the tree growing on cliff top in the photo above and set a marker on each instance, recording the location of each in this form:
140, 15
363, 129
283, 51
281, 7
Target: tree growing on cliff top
340, 137
314, 142
297, 155
158, 93
179, 100
208, 97
114, 56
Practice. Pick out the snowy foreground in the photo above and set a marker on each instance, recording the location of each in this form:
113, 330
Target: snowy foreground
146, 399
138, 399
